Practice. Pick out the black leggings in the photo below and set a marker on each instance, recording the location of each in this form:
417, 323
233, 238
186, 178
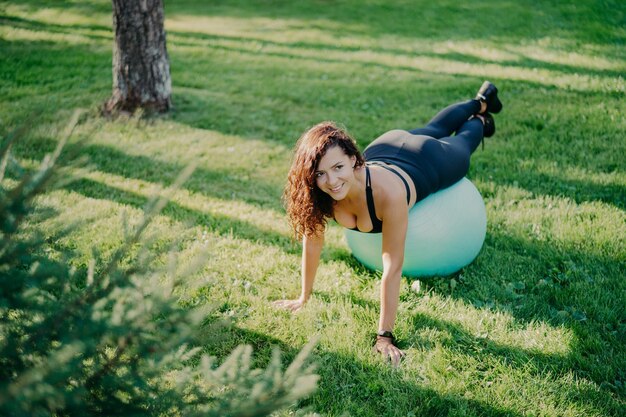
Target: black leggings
433, 158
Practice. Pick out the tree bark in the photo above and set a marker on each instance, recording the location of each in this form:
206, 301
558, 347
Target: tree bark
141, 69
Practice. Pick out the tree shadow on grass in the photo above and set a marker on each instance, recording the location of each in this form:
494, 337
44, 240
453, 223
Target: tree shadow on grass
587, 359
533, 281
239, 122
538, 282
350, 386
446, 20
218, 183
318, 51
38, 26
576, 190
220, 224
553, 367
88, 8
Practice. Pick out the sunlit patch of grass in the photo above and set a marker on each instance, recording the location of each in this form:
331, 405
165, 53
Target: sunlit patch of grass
50, 13
544, 50
452, 318
554, 219
262, 28
263, 219
331, 34
17, 34
210, 149
416, 62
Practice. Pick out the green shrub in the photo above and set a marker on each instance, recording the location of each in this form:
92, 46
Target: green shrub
110, 339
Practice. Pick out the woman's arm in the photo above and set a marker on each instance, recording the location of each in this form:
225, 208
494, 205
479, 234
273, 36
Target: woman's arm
311, 252
394, 232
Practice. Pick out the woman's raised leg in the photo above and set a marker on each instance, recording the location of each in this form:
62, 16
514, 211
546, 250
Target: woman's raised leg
449, 120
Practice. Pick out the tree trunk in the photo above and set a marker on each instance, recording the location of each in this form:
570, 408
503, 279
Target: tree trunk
141, 68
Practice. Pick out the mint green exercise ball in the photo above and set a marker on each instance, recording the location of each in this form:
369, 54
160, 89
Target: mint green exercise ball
445, 232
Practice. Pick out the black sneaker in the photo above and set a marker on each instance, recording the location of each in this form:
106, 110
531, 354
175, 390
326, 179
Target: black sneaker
488, 93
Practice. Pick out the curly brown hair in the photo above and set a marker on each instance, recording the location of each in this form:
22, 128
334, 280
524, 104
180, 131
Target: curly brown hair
309, 207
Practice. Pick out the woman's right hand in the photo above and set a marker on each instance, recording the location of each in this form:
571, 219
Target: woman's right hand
290, 305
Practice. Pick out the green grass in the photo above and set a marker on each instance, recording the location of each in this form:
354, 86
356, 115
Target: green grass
535, 326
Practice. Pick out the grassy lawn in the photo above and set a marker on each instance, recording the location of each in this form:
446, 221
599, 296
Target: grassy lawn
535, 326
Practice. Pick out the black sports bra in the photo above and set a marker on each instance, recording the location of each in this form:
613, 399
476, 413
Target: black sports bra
376, 223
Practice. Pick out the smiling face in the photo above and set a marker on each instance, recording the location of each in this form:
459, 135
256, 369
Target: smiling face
335, 173
326, 167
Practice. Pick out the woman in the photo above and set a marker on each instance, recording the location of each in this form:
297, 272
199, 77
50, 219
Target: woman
373, 192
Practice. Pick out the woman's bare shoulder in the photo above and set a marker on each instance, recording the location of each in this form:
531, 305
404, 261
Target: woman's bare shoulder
387, 188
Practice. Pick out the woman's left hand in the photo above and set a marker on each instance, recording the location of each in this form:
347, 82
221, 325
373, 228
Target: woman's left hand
291, 305
385, 346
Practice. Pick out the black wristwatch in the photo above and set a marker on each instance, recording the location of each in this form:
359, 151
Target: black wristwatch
385, 333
